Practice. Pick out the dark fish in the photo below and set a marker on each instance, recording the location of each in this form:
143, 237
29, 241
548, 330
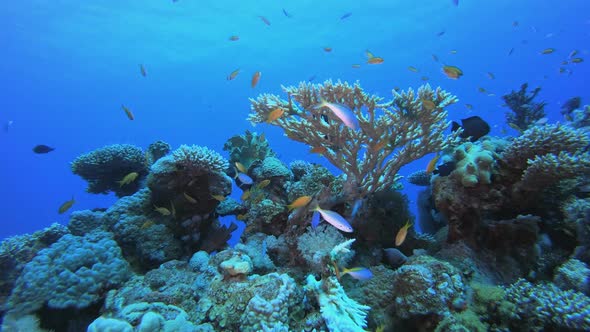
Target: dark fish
473, 127
345, 16
570, 105
394, 257
42, 149
511, 51
286, 13
440, 33
445, 169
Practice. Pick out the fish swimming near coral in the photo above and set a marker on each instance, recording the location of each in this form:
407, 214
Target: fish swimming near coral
359, 273
473, 127
66, 206
128, 179
299, 202
570, 105
335, 219
402, 233
445, 169
255, 79
343, 113
42, 149
162, 210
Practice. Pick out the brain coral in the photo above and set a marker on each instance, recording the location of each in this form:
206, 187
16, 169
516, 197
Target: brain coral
105, 167
74, 272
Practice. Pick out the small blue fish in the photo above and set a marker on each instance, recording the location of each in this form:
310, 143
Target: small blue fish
244, 178
315, 219
359, 273
335, 220
355, 208
345, 16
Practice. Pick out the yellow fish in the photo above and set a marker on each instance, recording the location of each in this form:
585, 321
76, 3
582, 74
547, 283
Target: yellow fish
189, 198
275, 114
147, 224
432, 164
413, 69
245, 195
255, 79
548, 50
577, 60
128, 179
452, 72
66, 205
263, 183
241, 167
375, 60
402, 233
429, 105
162, 210
318, 150
242, 216
220, 198
299, 202
515, 127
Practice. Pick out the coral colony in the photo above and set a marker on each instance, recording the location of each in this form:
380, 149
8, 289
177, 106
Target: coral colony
505, 245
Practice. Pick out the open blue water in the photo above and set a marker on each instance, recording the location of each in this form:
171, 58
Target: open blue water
67, 66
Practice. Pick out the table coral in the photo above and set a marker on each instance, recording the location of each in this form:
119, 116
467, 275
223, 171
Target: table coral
105, 167
391, 134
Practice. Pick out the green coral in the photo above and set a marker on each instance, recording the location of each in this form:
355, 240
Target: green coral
248, 148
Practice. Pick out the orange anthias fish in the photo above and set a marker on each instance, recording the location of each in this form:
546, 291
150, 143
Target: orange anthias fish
548, 50
402, 233
233, 74
452, 72
128, 112
413, 69
432, 164
256, 78
328, 49
429, 105
299, 202
142, 70
234, 38
275, 114
318, 150
372, 59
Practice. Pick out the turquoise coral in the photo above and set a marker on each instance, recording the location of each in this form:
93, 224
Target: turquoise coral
74, 272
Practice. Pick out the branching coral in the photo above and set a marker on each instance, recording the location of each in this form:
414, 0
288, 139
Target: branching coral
525, 112
390, 134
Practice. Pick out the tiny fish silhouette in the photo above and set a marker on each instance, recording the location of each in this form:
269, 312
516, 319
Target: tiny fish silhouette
41, 148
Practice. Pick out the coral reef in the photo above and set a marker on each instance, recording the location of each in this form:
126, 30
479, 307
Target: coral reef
17, 251
394, 133
157, 150
73, 272
248, 148
186, 180
104, 168
525, 111
545, 306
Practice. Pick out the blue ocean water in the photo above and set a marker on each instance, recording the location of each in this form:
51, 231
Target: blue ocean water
68, 66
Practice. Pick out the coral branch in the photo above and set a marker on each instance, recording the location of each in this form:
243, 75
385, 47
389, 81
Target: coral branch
390, 134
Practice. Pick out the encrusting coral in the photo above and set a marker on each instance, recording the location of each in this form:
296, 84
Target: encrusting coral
389, 135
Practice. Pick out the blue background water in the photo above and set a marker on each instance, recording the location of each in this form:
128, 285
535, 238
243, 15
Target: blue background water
67, 66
